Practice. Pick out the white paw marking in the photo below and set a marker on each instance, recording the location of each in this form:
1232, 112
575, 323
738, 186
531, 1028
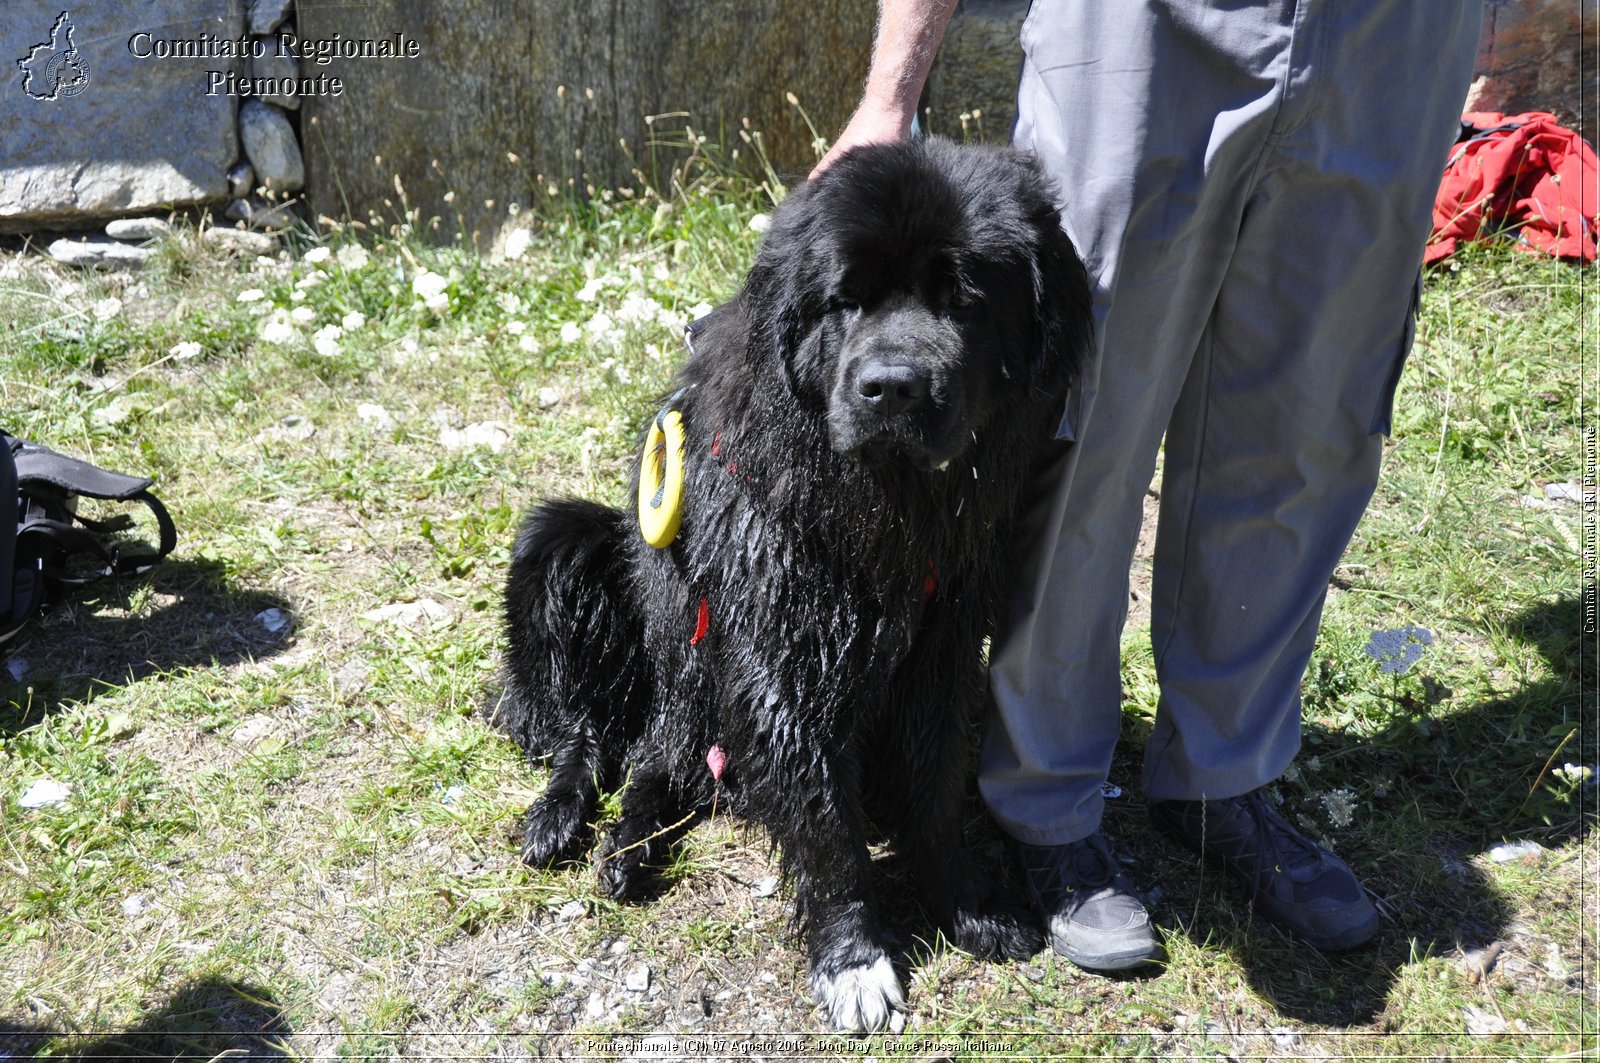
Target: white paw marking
863, 998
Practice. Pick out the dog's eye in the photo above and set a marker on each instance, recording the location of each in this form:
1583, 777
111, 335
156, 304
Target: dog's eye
963, 303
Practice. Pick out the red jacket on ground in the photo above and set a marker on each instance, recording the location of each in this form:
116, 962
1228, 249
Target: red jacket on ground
1525, 174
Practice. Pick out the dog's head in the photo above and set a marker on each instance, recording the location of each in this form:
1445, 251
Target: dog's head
913, 289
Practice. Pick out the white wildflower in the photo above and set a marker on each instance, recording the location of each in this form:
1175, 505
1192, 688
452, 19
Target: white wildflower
310, 280
185, 350
326, 340
432, 289
317, 255
638, 309
761, 223
1340, 806
570, 332
107, 308
529, 344
303, 314
589, 291
251, 295
277, 329
699, 310
353, 320
353, 256
510, 302
603, 329
517, 243
661, 272
516, 328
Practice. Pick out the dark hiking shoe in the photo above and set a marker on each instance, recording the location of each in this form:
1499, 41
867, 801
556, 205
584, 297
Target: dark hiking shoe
1295, 883
1094, 918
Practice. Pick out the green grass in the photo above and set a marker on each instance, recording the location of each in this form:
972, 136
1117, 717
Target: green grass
297, 840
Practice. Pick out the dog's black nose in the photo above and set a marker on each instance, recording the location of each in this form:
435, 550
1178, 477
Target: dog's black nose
888, 388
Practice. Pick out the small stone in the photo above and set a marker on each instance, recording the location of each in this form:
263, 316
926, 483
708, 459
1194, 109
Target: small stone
1284, 1038
618, 947
351, 677
257, 213
241, 240
1528, 852
596, 1005
253, 729
270, 144
1481, 1023
98, 252
637, 980
241, 180
273, 620
495, 435
294, 426
135, 905
137, 229
16, 668
548, 397
420, 614
375, 415
268, 15
269, 61
1563, 492
570, 911
766, 887
45, 792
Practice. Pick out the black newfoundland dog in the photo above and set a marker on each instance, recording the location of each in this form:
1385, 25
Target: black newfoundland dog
860, 424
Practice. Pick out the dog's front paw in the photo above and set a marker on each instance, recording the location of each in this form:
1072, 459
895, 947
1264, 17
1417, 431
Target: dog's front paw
551, 829
996, 932
863, 997
625, 870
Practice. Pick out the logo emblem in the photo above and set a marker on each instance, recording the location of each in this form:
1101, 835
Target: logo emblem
55, 69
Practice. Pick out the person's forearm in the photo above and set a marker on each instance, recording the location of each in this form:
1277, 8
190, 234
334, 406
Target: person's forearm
908, 36
909, 32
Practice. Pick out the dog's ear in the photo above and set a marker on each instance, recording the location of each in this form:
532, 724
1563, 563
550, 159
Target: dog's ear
782, 298
1061, 299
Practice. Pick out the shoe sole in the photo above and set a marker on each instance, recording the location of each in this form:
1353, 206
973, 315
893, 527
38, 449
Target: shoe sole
1136, 954
1353, 938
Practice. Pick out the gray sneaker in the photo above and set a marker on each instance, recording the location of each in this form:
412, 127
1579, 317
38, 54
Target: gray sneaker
1294, 882
1094, 918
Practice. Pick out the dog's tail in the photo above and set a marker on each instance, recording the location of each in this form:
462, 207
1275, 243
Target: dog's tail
576, 683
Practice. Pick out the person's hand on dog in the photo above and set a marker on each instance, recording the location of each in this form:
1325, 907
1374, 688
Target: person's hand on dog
909, 32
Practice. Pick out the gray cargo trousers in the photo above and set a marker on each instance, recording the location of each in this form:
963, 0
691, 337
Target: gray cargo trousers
1250, 184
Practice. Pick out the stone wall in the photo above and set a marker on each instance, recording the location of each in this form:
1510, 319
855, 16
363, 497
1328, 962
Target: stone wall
118, 108
512, 96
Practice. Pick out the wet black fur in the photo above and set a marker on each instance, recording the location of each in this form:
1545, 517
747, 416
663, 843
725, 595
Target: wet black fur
839, 694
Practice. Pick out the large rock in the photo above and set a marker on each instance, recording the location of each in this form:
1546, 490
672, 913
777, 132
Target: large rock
271, 145
88, 129
1536, 56
485, 85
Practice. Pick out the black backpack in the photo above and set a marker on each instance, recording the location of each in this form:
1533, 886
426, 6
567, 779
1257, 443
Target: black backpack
45, 545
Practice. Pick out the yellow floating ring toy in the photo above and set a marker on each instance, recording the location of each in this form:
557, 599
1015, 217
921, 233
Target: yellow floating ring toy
661, 480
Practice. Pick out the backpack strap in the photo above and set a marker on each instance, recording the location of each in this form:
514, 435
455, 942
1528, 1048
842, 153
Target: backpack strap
48, 525
21, 589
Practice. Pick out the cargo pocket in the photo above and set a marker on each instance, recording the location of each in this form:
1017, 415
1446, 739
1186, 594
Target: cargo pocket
1383, 416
